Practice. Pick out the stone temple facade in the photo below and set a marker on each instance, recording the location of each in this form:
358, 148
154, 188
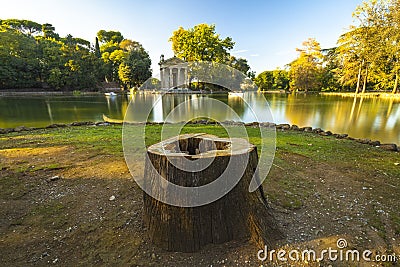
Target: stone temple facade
173, 73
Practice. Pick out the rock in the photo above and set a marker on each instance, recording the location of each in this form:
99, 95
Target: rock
252, 124
363, 141
56, 125
318, 130
306, 129
374, 143
153, 256
283, 126
81, 123
101, 123
112, 198
20, 129
327, 133
2, 131
294, 127
350, 138
342, 136
53, 178
389, 147
396, 163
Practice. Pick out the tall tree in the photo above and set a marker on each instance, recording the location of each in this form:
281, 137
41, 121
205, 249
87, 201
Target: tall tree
48, 31
365, 50
201, 43
24, 26
135, 67
265, 80
111, 53
97, 48
392, 33
305, 71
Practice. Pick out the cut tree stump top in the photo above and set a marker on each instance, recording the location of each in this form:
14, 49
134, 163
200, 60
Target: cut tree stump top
201, 145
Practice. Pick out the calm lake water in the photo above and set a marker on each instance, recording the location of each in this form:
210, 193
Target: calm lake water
373, 118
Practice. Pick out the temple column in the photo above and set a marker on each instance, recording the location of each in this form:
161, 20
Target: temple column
186, 78
170, 78
162, 77
178, 83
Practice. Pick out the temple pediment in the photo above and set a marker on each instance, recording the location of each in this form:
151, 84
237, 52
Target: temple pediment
171, 62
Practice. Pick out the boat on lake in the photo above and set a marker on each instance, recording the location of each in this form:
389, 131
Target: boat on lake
236, 93
110, 94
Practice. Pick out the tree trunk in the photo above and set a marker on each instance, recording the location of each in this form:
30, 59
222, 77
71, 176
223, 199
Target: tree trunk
365, 79
359, 77
396, 83
236, 215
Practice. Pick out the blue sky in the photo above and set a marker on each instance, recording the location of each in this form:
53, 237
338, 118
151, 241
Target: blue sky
266, 32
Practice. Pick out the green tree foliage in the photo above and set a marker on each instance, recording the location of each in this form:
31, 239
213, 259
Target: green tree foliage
109, 37
201, 43
26, 27
97, 48
369, 52
18, 67
305, 71
34, 55
49, 31
111, 53
135, 66
329, 73
272, 80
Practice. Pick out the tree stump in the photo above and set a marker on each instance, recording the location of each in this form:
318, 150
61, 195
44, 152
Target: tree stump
236, 215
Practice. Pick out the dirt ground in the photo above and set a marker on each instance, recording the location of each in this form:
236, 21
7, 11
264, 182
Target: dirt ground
67, 207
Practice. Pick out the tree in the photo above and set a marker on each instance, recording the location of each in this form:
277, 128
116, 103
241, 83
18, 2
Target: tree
265, 80
111, 53
97, 48
135, 67
368, 51
329, 73
281, 79
109, 37
26, 27
392, 33
49, 31
305, 70
201, 43
19, 66
272, 80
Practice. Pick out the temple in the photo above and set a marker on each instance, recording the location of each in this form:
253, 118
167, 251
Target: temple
173, 73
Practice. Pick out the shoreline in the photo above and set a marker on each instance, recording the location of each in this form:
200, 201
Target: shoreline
282, 127
383, 95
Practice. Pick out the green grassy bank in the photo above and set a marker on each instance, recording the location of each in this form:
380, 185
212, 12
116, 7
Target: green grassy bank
56, 184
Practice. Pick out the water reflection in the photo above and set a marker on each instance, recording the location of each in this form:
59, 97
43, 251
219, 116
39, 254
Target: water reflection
372, 118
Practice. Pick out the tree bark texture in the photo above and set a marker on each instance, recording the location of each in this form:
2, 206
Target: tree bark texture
237, 215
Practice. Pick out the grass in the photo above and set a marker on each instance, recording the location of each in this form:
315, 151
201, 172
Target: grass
344, 154
305, 165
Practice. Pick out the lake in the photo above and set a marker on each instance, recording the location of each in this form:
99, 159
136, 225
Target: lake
373, 118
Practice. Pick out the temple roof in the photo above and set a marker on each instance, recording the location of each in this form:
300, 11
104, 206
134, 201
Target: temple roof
171, 62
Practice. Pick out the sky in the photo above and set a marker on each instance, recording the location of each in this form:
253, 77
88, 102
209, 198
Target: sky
266, 32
